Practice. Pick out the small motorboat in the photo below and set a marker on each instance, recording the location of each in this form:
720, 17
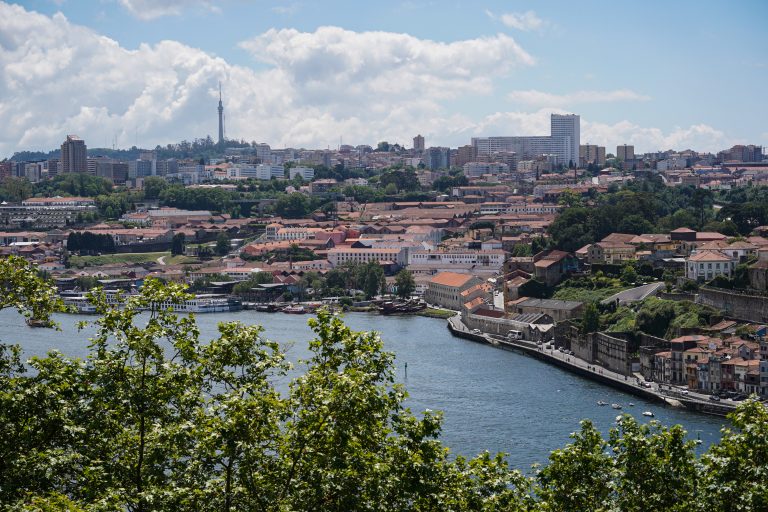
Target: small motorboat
601, 403
616, 406
648, 413
37, 322
631, 404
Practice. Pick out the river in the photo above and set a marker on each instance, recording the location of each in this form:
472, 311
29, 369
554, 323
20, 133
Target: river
491, 399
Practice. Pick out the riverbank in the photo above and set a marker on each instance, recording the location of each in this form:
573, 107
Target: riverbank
632, 385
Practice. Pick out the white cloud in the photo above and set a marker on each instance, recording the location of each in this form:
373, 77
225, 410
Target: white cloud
58, 78
700, 137
151, 9
525, 21
541, 98
333, 65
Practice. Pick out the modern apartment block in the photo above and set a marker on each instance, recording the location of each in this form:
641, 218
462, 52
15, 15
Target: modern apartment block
74, 155
625, 153
563, 142
591, 154
418, 143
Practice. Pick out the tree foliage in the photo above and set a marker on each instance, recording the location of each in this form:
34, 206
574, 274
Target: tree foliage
177, 244
155, 418
642, 206
405, 284
89, 242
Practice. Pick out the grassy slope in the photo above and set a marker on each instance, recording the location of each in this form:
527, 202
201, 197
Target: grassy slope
129, 258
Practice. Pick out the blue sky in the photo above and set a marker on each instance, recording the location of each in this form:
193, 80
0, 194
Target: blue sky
661, 75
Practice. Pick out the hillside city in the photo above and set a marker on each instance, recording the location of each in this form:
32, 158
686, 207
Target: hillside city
651, 269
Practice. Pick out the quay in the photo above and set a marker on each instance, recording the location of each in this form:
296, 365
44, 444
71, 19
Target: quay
669, 395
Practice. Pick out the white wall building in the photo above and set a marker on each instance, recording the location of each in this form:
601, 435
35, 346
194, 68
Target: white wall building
472, 169
706, 265
306, 173
269, 171
486, 260
340, 255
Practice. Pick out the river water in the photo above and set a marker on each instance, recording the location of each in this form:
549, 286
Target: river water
491, 399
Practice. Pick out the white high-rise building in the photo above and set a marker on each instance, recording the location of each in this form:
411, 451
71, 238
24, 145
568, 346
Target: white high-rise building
568, 128
563, 142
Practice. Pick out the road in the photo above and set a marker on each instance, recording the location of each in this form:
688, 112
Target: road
634, 294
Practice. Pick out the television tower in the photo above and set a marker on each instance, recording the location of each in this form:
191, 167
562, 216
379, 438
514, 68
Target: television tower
221, 118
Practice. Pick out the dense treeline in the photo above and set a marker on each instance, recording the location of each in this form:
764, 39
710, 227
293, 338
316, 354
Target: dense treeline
198, 148
157, 419
90, 242
745, 207
643, 206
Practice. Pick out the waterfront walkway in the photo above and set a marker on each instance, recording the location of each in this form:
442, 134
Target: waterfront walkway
670, 395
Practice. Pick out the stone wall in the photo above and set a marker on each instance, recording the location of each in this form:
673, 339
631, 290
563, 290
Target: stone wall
614, 352
502, 326
735, 304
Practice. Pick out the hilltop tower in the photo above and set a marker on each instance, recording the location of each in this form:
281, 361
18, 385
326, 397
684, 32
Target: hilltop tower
221, 117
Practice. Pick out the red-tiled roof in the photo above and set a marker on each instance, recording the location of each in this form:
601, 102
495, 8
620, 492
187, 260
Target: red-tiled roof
451, 279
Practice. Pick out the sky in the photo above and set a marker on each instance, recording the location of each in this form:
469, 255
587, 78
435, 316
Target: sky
315, 74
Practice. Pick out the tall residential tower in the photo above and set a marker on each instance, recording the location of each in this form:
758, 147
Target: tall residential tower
74, 155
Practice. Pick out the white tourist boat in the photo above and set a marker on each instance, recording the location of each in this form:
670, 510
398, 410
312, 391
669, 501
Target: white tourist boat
205, 303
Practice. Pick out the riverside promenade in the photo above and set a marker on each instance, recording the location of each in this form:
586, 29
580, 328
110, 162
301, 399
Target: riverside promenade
669, 395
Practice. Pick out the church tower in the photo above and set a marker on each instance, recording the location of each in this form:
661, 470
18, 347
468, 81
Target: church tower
221, 117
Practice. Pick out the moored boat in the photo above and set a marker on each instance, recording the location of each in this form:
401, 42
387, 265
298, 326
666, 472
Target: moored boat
294, 310
601, 403
648, 413
38, 322
616, 406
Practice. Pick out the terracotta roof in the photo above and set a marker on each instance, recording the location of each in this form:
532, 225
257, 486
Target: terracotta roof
709, 256
451, 279
705, 235
618, 237
474, 302
472, 289
740, 244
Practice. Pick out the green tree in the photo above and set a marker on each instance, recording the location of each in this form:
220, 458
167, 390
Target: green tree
405, 283
590, 322
222, 244
578, 476
15, 189
371, 279
629, 274
154, 418
293, 206
245, 287
655, 317
177, 244
732, 476
154, 186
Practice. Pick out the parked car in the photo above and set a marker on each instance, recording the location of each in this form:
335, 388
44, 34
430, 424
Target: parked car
476, 331
714, 398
